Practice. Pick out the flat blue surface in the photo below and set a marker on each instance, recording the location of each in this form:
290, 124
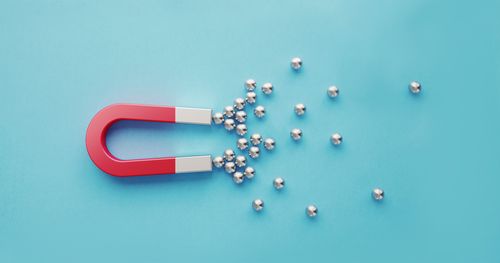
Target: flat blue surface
436, 155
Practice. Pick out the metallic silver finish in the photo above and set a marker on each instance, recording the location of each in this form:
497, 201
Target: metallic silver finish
311, 210
241, 129
267, 88
254, 152
238, 177
296, 63
258, 205
278, 183
218, 161
332, 91
249, 172
229, 155
251, 97
191, 164
193, 115
218, 118
230, 167
300, 109
239, 103
229, 124
378, 194
259, 111
228, 111
240, 116
336, 138
256, 139
242, 143
250, 84
415, 87
269, 144
241, 161
296, 134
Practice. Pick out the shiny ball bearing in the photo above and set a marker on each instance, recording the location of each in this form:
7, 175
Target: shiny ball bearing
311, 211
267, 88
333, 91
229, 124
242, 143
336, 138
378, 194
300, 109
258, 205
254, 152
250, 84
241, 129
296, 134
279, 183
415, 87
230, 167
251, 97
239, 103
238, 177
259, 111
249, 172
269, 144
229, 155
256, 139
218, 161
296, 63
228, 111
240, 116
218, 118
240, 161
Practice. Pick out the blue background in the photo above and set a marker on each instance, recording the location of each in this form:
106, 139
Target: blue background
436, 154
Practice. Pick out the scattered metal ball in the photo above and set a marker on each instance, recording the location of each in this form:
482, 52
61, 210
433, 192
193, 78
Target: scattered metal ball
296, 63
229, 111
229, 124
241, 129
250, 84
279, 183
242, 143
241, 116
311, 210
249, 172
415, 87
255, 139
238, 177
336, 138
296, 134
267, 88
239, 103
300, 109
378, 194
333, 91
251, 97
269, 144
254, 152
230, 167
259, 111
218, 118
218, 161
258, 205
229, 155
241, 161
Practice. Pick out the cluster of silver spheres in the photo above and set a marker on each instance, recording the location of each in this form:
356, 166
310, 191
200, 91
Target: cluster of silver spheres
234, 118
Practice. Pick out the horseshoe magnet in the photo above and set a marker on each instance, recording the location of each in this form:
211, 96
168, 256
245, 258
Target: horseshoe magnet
102, 157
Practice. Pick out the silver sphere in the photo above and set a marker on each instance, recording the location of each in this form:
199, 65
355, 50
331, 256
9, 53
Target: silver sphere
218, 118
279, 183
296, 63
251, 97
300, 109
229, 155
229, 124
250, 84
254, 152
242, 143
218, 161
241, 161
415, 87
259, 111
249, 172
258, 205
239, 103
241, 129
267, 88
240, 116
230, 167
311, 210
378, 194
269, 144
296, 134
228, 111
332, 91
336, 138
238, 177
256, 139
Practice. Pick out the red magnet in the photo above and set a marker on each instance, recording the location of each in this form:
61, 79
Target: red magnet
100, 155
